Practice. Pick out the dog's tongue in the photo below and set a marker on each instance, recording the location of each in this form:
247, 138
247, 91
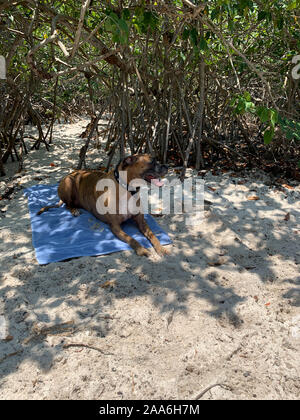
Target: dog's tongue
157, 182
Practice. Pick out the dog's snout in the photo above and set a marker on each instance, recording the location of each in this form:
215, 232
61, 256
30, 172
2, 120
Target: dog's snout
164, 168
159, 168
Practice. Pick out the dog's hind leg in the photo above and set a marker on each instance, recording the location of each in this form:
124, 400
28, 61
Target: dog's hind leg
74, 211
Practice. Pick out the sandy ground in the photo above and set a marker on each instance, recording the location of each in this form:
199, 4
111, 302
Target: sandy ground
223, 308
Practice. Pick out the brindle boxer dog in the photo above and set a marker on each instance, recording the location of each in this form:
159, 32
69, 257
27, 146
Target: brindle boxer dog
78, 190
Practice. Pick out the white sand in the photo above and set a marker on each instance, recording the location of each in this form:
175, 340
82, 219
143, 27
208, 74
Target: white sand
164, 328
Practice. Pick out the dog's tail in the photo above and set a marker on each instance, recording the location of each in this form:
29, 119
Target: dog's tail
50, 207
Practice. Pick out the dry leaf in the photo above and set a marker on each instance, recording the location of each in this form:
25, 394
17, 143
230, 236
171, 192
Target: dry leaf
216, 263
287, 217
211, 188
288, 186
8, 338
108, 283
253, 198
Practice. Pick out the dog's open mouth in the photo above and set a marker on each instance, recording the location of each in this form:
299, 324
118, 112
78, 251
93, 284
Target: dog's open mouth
151, 178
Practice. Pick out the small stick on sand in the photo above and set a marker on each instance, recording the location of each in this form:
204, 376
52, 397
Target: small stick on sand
67, 345
10, 354
170, 318
42, 330
209, 388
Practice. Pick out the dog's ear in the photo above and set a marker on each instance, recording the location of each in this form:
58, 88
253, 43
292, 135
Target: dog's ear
130, 160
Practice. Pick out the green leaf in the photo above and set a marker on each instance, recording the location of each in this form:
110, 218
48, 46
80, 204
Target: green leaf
182, 56
114, 17
247, 96
147, 18
261, 15
231, 25
124, 27
290, 128
240, 108
185, 34
194, 36
273, 117
203, 44
268, 135
263, 113
126, 14
150, 19
280, 22
250, 107
292, 5
232, 102
215, 13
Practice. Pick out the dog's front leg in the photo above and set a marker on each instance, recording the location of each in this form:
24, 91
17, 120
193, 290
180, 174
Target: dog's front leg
140, 250
146, 231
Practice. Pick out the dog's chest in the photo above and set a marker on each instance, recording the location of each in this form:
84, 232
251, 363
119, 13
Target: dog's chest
123, 207
127, 206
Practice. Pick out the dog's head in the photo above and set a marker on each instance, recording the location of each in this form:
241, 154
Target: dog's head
143, 167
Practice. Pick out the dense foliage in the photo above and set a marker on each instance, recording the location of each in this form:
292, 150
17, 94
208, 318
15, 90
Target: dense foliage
195, 82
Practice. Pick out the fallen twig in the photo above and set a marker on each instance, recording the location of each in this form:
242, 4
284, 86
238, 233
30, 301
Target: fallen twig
88, 346
10, 355
209, 388
42, 330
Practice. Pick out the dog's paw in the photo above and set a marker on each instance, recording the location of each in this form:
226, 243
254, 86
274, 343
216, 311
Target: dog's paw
142, 252
76, 212
162, 251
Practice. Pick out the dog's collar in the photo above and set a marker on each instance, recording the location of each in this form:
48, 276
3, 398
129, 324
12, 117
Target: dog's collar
123, 184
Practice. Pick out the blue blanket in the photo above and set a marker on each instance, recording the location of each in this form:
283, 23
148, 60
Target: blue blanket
57, 235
